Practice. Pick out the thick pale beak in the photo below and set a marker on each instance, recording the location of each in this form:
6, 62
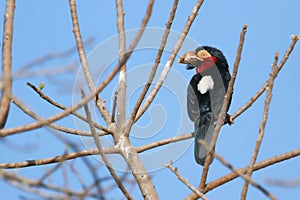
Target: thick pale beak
191, 59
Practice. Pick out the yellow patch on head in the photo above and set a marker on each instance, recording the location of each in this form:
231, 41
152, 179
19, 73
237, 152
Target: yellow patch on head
203, 54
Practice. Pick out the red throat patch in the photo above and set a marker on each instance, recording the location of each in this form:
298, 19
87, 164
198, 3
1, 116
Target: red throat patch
206, 64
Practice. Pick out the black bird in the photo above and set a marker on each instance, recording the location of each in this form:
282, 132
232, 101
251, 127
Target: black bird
205, 94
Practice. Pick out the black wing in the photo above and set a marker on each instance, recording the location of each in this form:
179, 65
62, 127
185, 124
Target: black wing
196, 102
192, 103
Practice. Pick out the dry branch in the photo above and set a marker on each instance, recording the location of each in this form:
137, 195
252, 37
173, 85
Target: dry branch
260, 165
6, 80
18, 180
84, 63
102, 154
185, 181
170, 62
51, 119
262, 126
55, 159
58, 105
249, 103
156, 63
222, 114
30, 113
122, 76
245, 177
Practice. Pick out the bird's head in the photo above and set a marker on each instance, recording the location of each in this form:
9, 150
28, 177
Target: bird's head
204, 58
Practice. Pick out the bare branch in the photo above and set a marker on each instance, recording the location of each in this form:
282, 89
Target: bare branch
164, 142
53, 118
295, 38
58, 105
260, 165
156, 63
56, 159
222, 114
84, 63
262, 126
185, 181
113, 111
170, 62
27, 111
122, 76
7, 61
32, 183
246, 178
102, 154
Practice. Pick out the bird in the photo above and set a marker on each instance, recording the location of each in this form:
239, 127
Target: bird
205, 95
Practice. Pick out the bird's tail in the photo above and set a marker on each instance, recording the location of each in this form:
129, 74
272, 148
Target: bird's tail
204, 130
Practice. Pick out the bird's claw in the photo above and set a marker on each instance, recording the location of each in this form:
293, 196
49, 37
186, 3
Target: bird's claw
229, 119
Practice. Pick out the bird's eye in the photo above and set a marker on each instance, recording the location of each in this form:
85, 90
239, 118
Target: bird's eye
203, 54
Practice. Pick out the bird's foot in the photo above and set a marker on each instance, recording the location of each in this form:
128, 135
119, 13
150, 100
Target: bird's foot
229, 119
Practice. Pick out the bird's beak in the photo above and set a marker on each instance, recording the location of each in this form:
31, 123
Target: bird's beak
191, 59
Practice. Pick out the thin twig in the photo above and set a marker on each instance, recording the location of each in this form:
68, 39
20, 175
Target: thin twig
164, 142
32, 114
210, 186
262, 126
185, 181
128, 152
102, 154
170, 62
51, 119
113, 111
287, 53
84, 63
245, 177
59, 158
49, 172
58, 105
122, 76
260, 165
7, 61
156, 62
222, 114
78, 175
33, 183
86, 161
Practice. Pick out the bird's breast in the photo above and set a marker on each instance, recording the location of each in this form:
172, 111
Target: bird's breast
206, 83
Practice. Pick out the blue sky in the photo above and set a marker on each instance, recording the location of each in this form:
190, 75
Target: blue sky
43, 27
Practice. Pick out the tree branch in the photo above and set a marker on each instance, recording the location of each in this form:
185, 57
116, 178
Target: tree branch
84, 63
102, 154
287, 53
32, 114
156, 63
245, 177
261, 127
222, 114
170, 62
164, 142
185, 181
6, 85
58, 105
51, 119
55, 159
122, 76
260, 165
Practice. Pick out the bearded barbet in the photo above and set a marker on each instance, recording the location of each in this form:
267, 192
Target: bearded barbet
205, 95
